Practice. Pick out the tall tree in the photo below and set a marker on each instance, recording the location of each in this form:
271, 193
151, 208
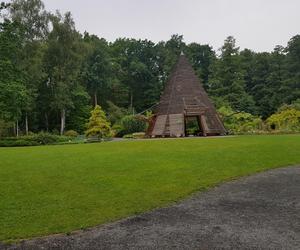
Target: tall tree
137, 71
13, 93
201, 57
227, 78
62, 64
260, 90
292, 80
97, 72
31, 14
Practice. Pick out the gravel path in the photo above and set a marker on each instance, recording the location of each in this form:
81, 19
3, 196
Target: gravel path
256, 212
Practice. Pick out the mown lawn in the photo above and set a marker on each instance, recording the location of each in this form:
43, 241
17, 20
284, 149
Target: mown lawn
52, 189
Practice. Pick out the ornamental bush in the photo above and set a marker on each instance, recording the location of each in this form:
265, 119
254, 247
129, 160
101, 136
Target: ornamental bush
131, 125
285, 120
71, 133
98, 126
33, 140
240, 122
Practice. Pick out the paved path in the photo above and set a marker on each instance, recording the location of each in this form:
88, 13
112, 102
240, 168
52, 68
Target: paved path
256, 212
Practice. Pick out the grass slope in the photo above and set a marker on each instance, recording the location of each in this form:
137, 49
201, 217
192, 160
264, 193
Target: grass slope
52, 189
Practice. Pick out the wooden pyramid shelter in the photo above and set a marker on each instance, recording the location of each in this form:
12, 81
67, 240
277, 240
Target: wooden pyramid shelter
183, 98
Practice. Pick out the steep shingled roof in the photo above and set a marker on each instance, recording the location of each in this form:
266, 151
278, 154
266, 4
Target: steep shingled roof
184, 96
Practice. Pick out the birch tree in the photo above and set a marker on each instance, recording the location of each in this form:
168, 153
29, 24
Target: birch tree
62, 64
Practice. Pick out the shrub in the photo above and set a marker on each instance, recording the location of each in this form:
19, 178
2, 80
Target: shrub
33, 140
98, 126
55, 132
132, 125
285, 120
117, 130
128, 136
4, 128
192, 127
140, 135
240, 122
192, 131
71, 133
17, 143
46, 138
115, 113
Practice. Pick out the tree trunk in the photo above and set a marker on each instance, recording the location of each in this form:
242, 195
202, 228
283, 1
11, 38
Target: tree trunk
26, 124
62, 121
46, 122
95, 98
17, 128
14, 129
131, 102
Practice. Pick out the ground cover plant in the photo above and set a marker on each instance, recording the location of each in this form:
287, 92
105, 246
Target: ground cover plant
53, 189
34, 140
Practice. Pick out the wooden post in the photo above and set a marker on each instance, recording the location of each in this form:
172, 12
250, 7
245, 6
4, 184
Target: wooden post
204, 125
185, 132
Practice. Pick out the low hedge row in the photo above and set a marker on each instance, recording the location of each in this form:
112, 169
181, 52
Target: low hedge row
33, 140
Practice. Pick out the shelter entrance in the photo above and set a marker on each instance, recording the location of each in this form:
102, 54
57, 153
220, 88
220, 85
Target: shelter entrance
184, 108
193, 126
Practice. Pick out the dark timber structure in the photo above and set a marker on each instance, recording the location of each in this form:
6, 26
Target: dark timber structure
184, 98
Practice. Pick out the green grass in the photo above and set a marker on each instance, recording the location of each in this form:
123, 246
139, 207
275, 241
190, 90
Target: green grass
52, 189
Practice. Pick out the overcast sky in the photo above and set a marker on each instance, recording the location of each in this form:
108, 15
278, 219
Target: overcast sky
259, 25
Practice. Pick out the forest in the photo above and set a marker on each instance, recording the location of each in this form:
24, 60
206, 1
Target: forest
51, 75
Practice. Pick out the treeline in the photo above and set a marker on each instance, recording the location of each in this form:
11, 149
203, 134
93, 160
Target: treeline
51, 75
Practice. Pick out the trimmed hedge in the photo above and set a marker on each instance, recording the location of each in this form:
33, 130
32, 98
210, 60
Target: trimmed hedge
17, 143
33, 140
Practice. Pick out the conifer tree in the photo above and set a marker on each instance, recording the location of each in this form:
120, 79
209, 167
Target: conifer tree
98, 125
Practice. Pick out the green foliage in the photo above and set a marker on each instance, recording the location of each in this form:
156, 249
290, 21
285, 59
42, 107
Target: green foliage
294, 105
41, 138
33, 16
4, 128
117, 130
131, 125
97, 69
227, 78
98, 126
62, 64
18, 143
240, 122
285, 120
201, 57
71, 133
51, 75
192, 127
47, 138
13, 94
139, 135
79, 114
128, 136
115, 113
291, 79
